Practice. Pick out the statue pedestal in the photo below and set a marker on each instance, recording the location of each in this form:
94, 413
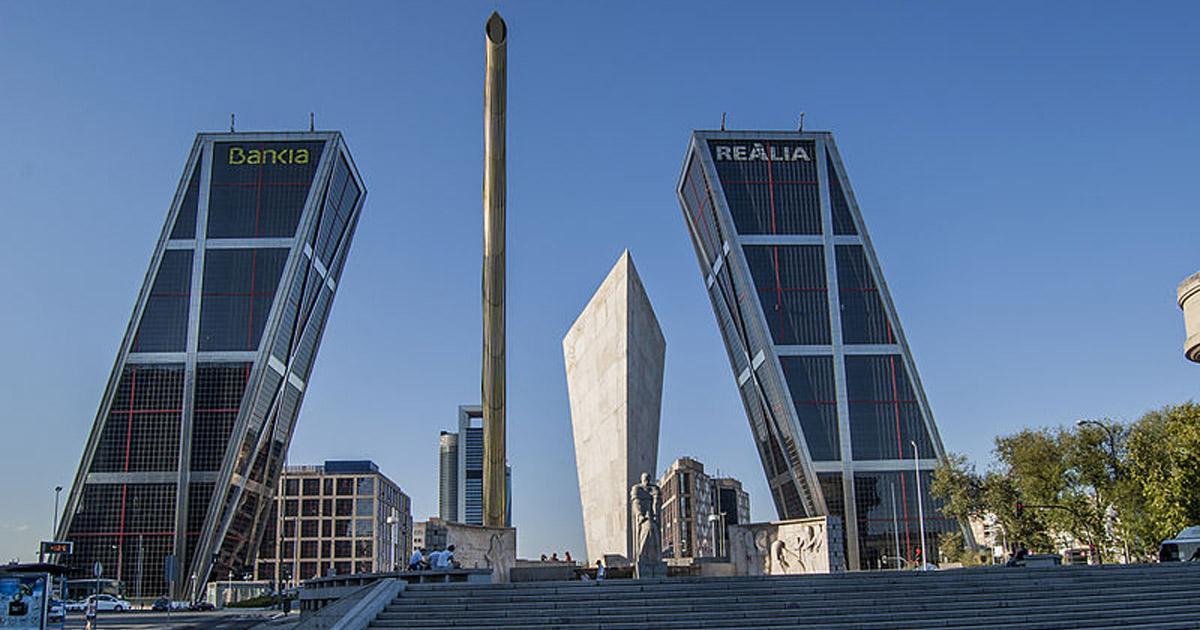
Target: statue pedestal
478, 547
649, 569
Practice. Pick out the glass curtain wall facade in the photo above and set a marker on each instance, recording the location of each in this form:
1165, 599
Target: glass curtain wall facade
826, 377
187, 446
460, 471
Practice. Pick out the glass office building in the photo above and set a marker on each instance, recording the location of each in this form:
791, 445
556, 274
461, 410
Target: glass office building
187, 446
825, 374
460, 471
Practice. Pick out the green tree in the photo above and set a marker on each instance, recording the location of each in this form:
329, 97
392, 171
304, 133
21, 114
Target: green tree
1163, 465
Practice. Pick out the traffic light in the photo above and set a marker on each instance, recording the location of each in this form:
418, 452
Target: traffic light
1020, 508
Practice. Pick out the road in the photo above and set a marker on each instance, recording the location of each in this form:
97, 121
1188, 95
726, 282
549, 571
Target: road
217, 620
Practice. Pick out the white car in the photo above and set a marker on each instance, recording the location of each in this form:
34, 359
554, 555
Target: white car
104, 603
1183, 548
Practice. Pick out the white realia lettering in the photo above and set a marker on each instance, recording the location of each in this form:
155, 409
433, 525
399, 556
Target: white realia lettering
760, 152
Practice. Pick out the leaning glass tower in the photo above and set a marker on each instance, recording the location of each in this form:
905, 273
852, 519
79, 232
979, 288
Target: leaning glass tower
826, 377
188, 443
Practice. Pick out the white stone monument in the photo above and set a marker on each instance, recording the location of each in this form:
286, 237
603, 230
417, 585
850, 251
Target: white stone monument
806, 545
614, 358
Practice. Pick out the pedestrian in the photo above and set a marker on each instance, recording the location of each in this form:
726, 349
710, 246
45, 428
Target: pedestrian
554, 557
543, 557
567, 558
417, 559
448, 558
434, 559
599, 570
1018, 556
89, 613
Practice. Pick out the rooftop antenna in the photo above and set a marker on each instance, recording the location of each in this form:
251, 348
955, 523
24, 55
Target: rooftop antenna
312, 122
230, 122
722, 121
801, 122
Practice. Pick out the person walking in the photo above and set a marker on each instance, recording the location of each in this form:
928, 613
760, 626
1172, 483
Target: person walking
599, 570
567, 558
89, 613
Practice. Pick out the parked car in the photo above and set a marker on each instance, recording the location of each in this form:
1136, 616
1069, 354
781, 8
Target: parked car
110, 603
202, 605
56, 612
162, 604
1182, 548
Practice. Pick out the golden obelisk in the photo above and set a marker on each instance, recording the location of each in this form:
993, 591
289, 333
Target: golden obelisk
494, 449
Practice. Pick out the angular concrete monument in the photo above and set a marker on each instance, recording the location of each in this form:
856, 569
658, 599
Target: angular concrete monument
614, 358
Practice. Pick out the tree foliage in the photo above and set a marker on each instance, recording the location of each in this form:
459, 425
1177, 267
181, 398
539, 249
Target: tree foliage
1119, 487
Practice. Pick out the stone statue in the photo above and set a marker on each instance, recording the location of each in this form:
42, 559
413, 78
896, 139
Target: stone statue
645, 502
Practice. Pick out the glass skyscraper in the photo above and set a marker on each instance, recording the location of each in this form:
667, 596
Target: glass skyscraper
460, 471
826, 377
188, 443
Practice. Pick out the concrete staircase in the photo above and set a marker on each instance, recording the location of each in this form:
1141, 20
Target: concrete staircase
1148, 596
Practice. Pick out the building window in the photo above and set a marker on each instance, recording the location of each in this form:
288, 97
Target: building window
345, 507
309, 528
310, 507
342, 548
363, 549
287, 549
327, 485
289, 529
366, 507
366, 485
327, 528
326, 548
291, 507
364, 527
345, 486
342, 529
312, 487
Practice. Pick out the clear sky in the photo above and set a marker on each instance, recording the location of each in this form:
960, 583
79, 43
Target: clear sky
1028, 173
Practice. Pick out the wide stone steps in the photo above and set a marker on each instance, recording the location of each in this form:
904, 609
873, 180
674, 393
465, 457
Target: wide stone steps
1147, 597
903, 602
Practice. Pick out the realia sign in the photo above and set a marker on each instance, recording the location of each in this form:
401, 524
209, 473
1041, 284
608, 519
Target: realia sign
760, 152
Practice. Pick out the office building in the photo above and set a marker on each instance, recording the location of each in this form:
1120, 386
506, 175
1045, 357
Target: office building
429, 535
697, 510
341, 517
826, 376
190, 436
460, 471
448, 476
614, 354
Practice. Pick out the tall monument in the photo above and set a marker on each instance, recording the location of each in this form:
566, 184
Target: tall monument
494, 100
614, 357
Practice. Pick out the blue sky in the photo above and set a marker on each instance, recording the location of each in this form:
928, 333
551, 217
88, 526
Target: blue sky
1027, 171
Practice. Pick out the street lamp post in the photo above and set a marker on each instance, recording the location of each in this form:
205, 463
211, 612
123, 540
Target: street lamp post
920, 504
393, 521
54, 527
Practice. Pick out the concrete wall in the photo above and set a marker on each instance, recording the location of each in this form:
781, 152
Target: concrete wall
806, 545
614, 355
479, 547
